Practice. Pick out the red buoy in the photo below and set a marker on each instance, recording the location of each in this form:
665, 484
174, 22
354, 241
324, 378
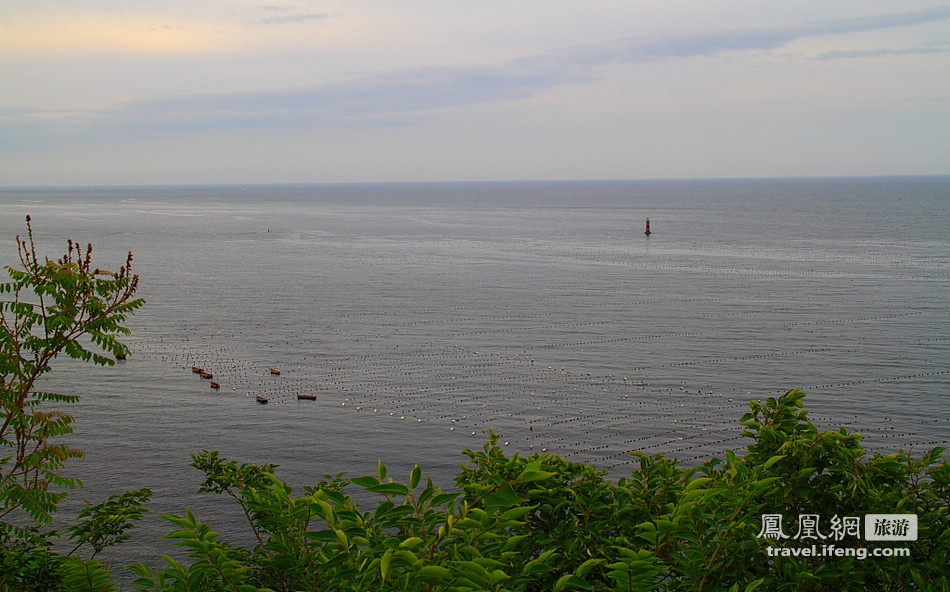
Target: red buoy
647, 231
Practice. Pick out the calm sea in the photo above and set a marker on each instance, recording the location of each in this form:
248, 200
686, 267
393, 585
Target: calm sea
424, 315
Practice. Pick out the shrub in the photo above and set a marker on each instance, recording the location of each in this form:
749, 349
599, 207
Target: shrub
66, 306
542, 523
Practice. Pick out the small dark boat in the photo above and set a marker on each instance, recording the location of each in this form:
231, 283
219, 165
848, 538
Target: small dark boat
206, 374
262, 399
196, 369
275, 371
215, 385
307, 397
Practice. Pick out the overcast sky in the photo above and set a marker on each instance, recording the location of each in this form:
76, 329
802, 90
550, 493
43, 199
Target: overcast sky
239, 91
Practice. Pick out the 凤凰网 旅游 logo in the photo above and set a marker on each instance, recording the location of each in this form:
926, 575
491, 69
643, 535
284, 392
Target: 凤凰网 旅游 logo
810, 527
817, 538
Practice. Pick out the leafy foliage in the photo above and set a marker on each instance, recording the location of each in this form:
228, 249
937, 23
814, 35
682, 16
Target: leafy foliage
106, 524
542, 523
52, 307
48, 308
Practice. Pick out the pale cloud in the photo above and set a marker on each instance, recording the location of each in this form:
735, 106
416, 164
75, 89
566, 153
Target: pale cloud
709, 43
883, 52
386, 97
70, 33
288, 14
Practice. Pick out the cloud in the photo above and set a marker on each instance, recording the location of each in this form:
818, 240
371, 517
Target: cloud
756, 38
414, 90
279, 15
292, 18
380, 98
881, 52
393, 98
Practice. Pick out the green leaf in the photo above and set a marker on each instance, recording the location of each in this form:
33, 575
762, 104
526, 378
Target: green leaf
515, 541
414, 476
435, 573
389, 489
587, 566
326, 536
504, 497
365, 482
517, 513
341, 539
384, 564
410, 543
571, 581
444, 498
698, 482
529, 476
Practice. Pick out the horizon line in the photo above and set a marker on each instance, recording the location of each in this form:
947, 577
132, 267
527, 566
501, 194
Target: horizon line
473, 181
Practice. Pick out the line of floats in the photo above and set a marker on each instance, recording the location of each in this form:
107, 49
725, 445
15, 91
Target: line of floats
260, 398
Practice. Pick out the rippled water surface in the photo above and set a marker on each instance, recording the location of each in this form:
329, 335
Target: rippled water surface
423, 316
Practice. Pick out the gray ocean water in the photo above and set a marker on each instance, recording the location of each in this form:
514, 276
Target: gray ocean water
424, 315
